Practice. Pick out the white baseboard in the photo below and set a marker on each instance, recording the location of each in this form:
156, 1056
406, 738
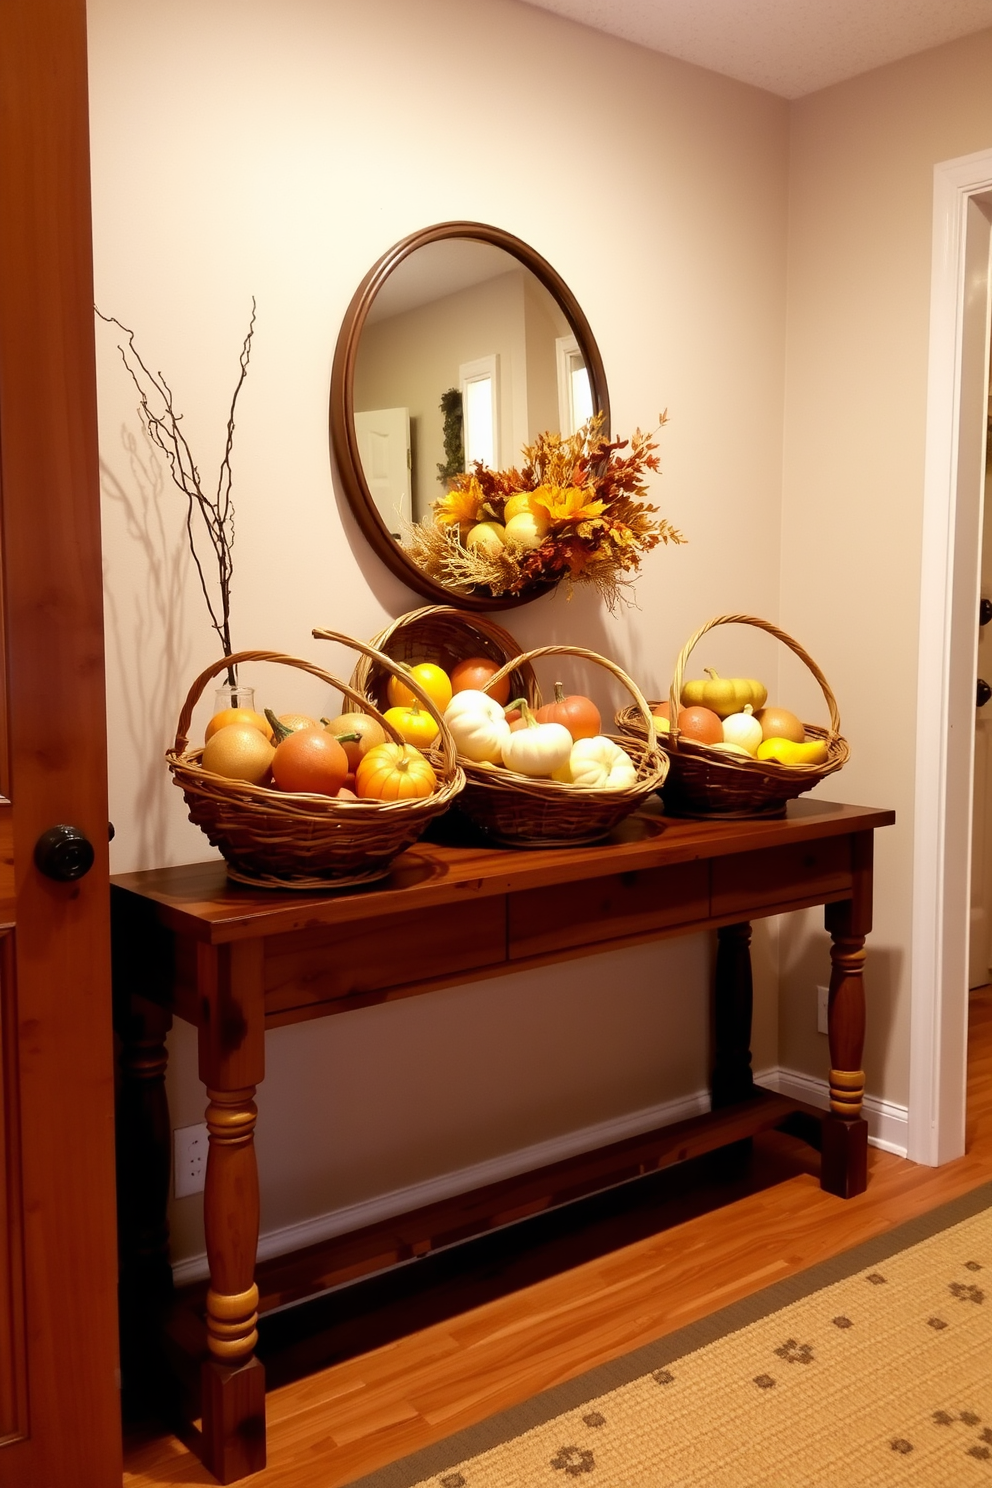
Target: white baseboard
887, 1129
888, 1124
462, 1180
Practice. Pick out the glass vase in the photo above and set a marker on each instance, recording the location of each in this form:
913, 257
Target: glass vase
234, 695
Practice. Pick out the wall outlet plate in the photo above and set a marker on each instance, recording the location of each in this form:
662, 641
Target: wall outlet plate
822, 997
190, 1144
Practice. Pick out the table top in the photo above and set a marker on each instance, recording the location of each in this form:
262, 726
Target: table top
198, 900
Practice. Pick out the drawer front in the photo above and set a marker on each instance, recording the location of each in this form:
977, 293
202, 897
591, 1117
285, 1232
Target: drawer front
331, 964
802, 871
605, 909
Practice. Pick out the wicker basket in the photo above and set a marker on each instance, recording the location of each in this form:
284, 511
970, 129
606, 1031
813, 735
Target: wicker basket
442, 634
518, 811
296, 841
702, 784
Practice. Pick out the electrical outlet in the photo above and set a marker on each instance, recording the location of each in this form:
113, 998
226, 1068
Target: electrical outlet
190, 1145
822, 997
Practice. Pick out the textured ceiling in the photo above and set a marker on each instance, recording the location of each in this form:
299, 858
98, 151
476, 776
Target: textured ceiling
790, 47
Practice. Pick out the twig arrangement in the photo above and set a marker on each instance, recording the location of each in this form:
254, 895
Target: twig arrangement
216, 511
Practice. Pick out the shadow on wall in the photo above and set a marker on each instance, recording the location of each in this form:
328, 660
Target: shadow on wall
150, 655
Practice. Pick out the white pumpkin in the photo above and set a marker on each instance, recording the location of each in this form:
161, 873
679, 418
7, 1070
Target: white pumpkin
537, 750
599, 764
478, 726
743, 729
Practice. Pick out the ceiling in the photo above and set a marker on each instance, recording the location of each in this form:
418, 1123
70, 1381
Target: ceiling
789, 47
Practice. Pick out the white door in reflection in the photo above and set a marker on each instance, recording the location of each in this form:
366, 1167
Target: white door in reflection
480, 410
574, 388
384, 446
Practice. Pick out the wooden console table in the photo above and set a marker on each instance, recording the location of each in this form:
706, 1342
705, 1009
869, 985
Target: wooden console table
235, 961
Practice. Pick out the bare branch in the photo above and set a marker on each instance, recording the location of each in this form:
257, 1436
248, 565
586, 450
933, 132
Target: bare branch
162, 423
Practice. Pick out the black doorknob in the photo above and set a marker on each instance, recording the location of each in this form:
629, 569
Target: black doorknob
984, 611
64, 853
982, 693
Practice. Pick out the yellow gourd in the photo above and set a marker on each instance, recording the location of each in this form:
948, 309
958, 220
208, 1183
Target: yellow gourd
724, 695
787, 752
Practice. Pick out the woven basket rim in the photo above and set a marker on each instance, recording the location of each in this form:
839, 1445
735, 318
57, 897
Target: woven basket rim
678, 676
463, 621
498, 777
603, 806
230, 811
736, 783
839, 753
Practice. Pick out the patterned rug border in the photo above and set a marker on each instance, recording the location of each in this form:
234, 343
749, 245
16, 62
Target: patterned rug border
494, 1430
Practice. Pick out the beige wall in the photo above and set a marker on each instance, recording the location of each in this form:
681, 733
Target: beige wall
860, 221
248, 147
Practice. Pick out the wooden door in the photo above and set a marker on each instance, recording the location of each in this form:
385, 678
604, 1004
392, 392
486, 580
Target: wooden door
59, 1413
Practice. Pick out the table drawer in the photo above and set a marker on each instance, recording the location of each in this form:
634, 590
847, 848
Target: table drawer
334, 963
605, 909
805, 871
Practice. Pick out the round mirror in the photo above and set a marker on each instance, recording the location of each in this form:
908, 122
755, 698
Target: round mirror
460, 344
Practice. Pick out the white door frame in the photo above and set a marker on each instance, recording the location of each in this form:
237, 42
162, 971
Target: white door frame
960, 308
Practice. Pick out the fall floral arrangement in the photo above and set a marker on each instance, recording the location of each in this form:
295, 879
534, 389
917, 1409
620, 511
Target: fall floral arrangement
577, 511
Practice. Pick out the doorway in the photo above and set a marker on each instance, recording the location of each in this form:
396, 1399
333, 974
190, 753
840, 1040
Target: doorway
960, 311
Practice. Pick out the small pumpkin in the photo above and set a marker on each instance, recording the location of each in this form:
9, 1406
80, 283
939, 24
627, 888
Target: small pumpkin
474, 672
309, 761
477, 726
598, 764
394, 772
579, 714
701, 725
431, 679
743, 729
724, 695
537, 750
414, 723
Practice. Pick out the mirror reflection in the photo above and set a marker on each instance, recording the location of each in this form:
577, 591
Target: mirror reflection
463, 355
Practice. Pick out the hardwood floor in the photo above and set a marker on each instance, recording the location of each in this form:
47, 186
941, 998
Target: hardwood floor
488, 1328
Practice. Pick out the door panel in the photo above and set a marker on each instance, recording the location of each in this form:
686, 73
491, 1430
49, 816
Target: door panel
13, 1358
59, 1411
384, 443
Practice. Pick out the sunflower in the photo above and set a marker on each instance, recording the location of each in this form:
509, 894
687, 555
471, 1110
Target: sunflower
461, 507
565, 504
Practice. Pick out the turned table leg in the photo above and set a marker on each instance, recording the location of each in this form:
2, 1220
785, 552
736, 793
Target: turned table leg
732, 1080
231, 1066
844, 1167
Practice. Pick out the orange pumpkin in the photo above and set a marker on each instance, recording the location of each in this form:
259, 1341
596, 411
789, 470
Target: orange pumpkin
701, 725
310, 761
579, 714
394, 772
472, 674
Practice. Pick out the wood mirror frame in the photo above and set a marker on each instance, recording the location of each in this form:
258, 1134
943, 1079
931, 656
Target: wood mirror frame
344, 441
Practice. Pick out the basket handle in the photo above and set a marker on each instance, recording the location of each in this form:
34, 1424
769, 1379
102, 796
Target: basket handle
584, 655
195, 692
675, 696
447, 743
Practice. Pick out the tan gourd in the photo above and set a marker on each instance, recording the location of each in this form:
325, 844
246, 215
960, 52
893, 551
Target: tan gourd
723, 695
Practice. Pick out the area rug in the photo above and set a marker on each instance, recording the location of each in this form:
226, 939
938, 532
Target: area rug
871, 1370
